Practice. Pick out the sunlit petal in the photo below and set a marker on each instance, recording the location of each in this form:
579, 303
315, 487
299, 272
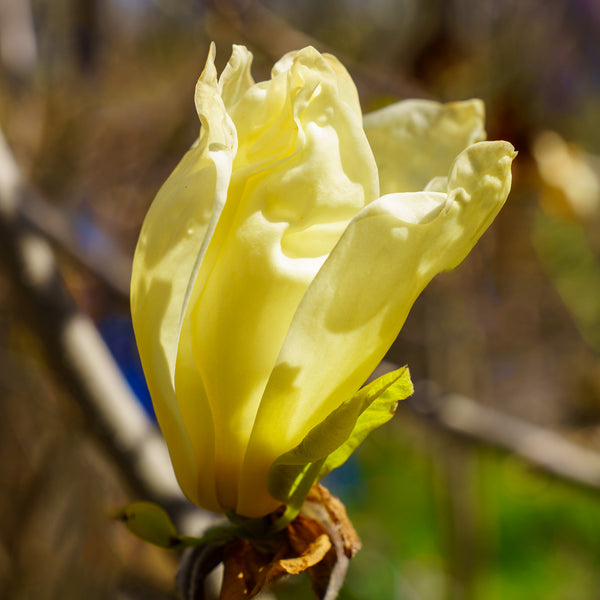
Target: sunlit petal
416, 140
175, 233
360, 299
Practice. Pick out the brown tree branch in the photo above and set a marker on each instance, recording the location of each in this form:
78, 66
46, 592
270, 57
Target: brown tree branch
537, 446
77, 353
108, 263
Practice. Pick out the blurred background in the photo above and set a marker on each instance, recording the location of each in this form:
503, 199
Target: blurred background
486, 485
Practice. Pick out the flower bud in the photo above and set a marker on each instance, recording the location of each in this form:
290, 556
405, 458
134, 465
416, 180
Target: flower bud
271, 276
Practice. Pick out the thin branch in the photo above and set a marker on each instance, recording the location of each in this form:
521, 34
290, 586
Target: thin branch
78, 354
107, 262
538, 446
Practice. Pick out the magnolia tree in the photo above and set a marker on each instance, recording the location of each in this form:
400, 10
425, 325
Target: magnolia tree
273, 271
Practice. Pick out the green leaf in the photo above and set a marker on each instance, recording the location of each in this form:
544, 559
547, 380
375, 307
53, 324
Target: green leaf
331, 442
384, 394
150, 522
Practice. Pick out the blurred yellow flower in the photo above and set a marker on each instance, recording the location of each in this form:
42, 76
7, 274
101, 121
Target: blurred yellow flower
271, 276
571, 184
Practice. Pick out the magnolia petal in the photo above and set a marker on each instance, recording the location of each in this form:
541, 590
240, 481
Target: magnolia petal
437, 184
346, 87
174, 235
236, 78
303, 170
348, 318
416, 140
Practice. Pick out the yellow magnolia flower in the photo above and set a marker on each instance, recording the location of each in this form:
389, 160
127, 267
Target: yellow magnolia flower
271, 276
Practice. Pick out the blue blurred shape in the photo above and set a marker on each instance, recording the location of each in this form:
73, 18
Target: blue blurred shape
117, 332
346, 481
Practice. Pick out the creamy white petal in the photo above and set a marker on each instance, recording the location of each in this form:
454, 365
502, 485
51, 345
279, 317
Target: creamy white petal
236, 78
360, 298
302, 171
174, 236
416, 140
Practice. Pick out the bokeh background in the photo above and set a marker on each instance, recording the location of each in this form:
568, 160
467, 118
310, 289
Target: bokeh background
486, 485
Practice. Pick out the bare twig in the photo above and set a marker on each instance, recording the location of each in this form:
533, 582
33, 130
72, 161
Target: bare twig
538, 446
78, 354
108, 263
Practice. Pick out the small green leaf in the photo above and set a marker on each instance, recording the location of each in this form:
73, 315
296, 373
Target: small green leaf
150, 522
384, 394
331, 442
